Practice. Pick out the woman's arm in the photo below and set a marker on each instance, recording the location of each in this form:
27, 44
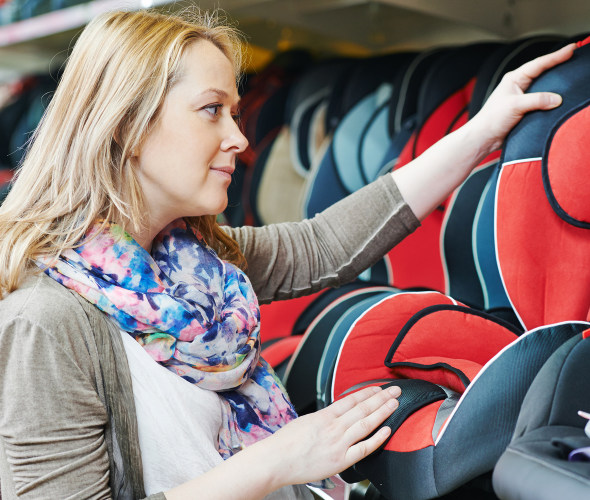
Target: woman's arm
293, 259
310, 448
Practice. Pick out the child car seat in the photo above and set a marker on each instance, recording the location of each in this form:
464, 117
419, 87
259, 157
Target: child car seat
464, 373
443, 104
367, 90
535, 465
547, 153
462, 276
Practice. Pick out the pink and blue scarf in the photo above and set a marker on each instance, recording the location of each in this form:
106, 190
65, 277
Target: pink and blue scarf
193, 313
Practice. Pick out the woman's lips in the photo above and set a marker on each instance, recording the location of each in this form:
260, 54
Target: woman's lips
225, 172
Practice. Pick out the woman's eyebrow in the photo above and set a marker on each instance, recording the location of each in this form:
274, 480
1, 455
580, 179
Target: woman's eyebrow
222, 94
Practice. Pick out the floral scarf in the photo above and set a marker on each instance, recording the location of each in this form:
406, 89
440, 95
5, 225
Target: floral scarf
193, 313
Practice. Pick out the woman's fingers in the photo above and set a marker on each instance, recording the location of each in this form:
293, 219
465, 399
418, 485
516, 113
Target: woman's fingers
345, 404
362, 423
364, 448
538, 100
377, 403
524, 75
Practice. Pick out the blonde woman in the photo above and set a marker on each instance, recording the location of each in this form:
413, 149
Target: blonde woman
129, 351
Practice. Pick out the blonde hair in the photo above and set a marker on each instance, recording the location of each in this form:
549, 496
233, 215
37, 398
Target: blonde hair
77, 169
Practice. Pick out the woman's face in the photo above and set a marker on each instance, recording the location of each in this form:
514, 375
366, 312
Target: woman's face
188, 157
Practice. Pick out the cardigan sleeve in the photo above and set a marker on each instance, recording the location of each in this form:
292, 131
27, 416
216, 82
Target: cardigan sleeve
291, 259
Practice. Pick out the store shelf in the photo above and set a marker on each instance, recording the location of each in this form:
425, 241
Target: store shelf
333, 26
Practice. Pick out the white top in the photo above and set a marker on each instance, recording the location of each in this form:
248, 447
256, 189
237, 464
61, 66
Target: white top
178, 426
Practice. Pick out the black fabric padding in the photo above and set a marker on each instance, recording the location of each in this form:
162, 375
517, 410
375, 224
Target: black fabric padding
448, 74
405, 103
561, 388
396, 93
401, 476
566, 444
484, 421
557, 208
272, 114
303, 135
506, 314
415, 394
570, 80
439, 308
532, 469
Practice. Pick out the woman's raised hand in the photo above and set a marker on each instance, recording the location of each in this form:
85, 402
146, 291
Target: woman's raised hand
508, 102
321, 444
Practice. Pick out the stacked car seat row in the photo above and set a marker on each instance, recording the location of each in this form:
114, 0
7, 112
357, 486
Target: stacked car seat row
480, 315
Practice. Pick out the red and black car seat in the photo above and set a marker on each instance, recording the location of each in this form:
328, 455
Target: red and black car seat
464, 373
284, 325
462, 269
443, 103
542, 210
300, 376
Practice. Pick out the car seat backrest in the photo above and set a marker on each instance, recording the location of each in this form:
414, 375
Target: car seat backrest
542, 214
464, 270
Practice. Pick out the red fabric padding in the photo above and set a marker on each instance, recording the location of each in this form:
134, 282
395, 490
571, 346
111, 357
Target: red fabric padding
278, 318
544, 261
416, 431
442, 376
367, 343
452, 334
6, 176
281, 350
586, 333
417, 260
567, 166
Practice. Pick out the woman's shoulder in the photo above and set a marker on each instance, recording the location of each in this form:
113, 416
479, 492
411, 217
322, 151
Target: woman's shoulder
43, 302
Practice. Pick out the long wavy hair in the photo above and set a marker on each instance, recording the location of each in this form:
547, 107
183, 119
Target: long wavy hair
77, 168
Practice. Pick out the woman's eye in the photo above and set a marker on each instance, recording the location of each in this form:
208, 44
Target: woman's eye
213, 109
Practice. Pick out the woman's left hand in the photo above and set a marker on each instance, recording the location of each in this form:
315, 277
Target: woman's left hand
508, 102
